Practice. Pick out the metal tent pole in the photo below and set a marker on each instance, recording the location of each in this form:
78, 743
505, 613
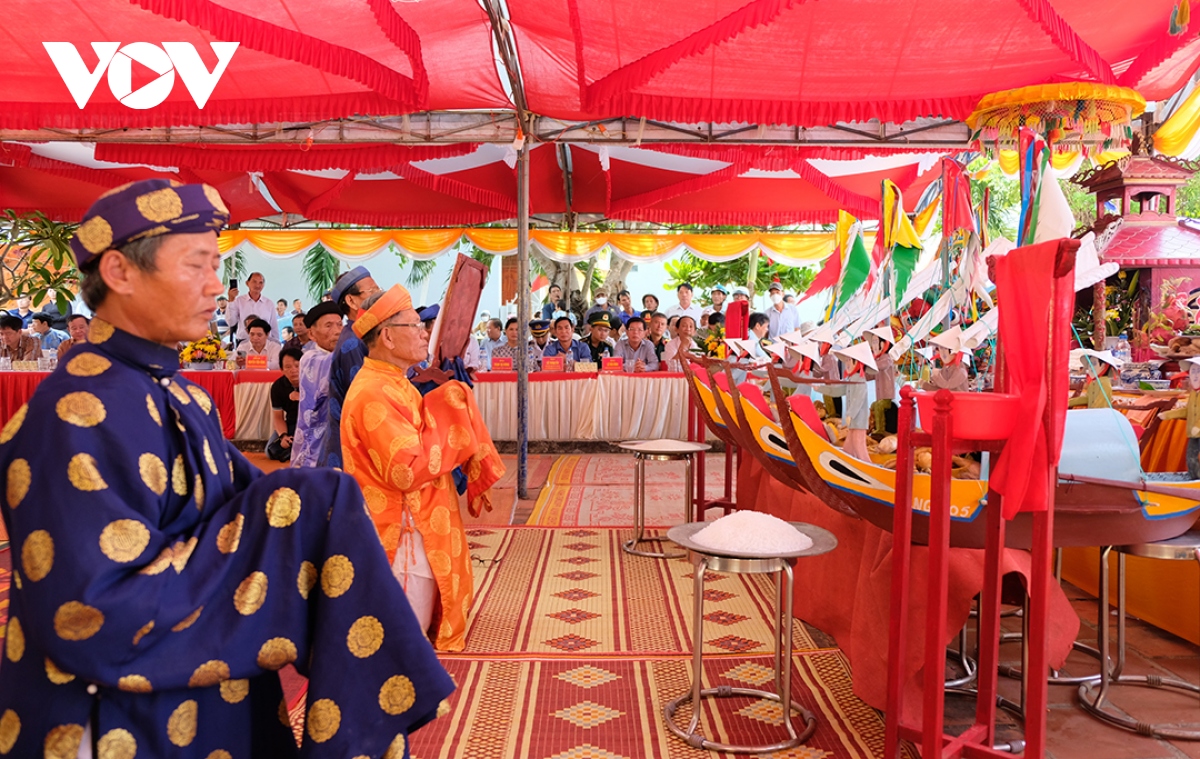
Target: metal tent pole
523, 294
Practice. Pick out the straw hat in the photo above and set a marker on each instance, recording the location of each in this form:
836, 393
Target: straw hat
860, 352
950, 339
808, 349
1105, 356
883, 333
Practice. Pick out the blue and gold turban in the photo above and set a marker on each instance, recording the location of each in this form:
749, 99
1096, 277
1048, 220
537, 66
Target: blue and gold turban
145, 209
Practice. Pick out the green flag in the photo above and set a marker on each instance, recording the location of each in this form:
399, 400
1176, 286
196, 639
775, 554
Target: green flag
855, 268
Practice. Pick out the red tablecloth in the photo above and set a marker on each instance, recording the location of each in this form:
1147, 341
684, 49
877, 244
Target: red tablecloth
16, 388
566, 376
219, 384
847, 592
256, 376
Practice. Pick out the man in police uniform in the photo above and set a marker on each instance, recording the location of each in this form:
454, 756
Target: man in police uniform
597, 343
160, 581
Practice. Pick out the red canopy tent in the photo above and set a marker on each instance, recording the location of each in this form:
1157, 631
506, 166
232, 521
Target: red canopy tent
461, 184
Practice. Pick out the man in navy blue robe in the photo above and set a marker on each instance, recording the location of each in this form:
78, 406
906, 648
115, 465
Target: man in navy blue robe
349, 292
160, 581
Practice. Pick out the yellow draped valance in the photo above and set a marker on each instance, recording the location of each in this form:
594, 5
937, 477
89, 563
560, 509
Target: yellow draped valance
564, 247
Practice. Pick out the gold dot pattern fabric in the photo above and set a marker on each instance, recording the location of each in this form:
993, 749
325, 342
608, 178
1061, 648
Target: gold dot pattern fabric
124, 540
135, 684
88, 365
20, 476
365, 637
82, 409
181, 727
276, 653
283, 507
37, 555
117, 743
194, 599
153, 472
397, 695
337, 575
12, 426
251, 594
77, 621
14, 640
84, 473
324, 719
56, 675
63, 742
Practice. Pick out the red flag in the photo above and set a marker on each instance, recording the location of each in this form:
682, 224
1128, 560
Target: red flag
956, 192
829, 276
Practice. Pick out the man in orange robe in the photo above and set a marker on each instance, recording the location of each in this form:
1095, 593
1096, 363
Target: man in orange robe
402, 448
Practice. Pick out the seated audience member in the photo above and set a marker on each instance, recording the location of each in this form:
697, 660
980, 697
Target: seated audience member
48, 337
597, 342
657, 333
565, 344
650, 302
300, 338
511, 347
759, 324
539, 334
258, 344
286, 334
635, 349
14, 343
494, 339
716, 320
285, 405
678, 348
77, 327
671, 322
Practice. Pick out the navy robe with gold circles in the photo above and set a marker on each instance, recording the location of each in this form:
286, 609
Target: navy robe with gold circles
160, 581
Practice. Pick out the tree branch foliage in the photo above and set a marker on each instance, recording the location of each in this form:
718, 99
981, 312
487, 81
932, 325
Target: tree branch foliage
37, 258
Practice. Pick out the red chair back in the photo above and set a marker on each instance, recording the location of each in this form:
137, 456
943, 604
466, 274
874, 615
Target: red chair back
803, 407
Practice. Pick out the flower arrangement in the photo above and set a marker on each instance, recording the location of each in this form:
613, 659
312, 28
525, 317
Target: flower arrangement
712, 342
204, 351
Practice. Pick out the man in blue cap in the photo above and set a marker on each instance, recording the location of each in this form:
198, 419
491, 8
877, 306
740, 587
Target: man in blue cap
161, 579
349, 292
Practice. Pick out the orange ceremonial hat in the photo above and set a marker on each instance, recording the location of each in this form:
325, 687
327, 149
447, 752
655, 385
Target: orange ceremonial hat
389, 304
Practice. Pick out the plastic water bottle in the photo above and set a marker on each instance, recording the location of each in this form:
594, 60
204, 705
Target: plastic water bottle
1122, 349
1123, 352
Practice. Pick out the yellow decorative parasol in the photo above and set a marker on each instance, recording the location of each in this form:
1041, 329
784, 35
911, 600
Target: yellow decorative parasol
1072, 115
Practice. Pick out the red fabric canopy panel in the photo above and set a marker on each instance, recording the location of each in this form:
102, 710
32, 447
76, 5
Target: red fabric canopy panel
297, 60
812, 63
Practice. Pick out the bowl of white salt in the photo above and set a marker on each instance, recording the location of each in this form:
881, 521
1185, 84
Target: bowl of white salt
753, 535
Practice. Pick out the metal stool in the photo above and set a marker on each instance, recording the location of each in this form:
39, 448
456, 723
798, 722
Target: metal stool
658, 450
1186, 547
781, 565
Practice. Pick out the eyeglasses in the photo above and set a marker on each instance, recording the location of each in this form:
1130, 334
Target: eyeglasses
411, 326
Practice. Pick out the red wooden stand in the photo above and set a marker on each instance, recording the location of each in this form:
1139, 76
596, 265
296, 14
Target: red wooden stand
733, 456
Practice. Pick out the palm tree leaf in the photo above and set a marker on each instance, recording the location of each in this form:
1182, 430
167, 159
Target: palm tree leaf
320, 270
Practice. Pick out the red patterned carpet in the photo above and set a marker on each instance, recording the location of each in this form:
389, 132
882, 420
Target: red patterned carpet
597, 491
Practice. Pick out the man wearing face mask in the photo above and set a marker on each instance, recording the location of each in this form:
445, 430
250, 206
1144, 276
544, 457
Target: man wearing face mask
783, 318
603, 307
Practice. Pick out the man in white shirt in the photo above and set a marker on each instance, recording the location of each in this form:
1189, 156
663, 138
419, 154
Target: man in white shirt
685, 307
252, 304
260, 344
718, 295
783, 318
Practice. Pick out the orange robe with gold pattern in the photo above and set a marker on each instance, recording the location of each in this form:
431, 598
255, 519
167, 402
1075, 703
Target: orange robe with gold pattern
402, 448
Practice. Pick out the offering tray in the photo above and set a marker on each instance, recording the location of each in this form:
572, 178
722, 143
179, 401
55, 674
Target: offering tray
823, 542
